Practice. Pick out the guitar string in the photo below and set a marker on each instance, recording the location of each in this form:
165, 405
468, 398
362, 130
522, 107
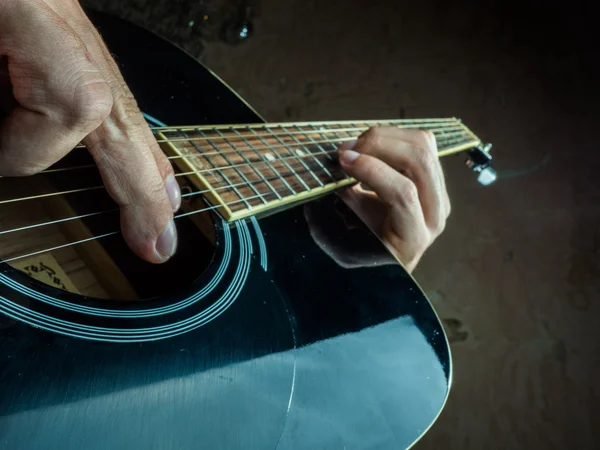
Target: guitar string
112, 233
319, 132
296, 124
242, 148
91, 188
108, 211
117, 232
72, 191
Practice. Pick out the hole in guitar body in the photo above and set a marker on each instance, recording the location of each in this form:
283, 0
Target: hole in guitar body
103, 268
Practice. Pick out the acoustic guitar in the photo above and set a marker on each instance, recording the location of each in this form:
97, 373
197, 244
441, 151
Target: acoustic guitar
281, 322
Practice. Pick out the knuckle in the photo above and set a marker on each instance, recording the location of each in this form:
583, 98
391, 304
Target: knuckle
423, 138
440, 226
407, 194
425, 157
373, 138
164, 164
92, 104
427, 135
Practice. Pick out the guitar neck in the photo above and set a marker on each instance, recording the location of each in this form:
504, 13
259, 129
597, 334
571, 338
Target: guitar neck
246, 170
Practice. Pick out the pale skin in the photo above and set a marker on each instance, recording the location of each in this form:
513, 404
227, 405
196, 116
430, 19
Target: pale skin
67, 89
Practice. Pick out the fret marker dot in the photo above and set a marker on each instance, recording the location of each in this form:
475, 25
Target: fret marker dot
299, 152
269, 157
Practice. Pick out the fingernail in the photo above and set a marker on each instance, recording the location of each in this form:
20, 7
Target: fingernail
349, 156
166, 244
174, 192
349, 145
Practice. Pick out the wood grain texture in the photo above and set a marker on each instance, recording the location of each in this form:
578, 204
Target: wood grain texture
69, 259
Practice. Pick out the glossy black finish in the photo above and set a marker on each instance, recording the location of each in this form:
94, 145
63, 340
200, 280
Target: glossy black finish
313, 352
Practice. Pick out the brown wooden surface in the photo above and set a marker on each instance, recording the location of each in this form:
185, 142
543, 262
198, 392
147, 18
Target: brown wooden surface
14, 244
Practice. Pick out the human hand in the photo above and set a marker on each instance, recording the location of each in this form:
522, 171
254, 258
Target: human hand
66, 88
408, 205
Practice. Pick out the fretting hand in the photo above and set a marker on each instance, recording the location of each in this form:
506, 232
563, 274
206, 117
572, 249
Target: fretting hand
408, 205
60, 86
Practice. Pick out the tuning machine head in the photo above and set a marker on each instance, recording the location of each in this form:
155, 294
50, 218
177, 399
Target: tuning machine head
479, 160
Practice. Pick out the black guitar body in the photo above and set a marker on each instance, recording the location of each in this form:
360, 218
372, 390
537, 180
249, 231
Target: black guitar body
296, 336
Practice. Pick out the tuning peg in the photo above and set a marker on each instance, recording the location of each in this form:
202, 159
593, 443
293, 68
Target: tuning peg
479, 161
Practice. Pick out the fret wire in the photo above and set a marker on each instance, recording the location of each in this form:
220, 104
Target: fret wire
336, 134
300, 160
306, 186
223, 174
258, 171
281, 159
319, 147
454, 142
312, 155
452, 133
318, 143
202, 153
292, 170
449, 140
346, 176
236, 168
454, 136
273, 169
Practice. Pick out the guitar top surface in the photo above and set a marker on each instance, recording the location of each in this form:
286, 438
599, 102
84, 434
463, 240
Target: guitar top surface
300, 334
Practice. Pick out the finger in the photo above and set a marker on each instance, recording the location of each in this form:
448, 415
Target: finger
99, 51
404, 227
94, 42
61, 94
413, 153
137, 175
166, 170
132, 179
396, 190
417, 137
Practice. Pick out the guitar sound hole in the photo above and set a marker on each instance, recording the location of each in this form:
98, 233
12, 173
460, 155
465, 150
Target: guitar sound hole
102, 268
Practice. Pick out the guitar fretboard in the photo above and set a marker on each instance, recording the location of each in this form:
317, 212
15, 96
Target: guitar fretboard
249, 169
